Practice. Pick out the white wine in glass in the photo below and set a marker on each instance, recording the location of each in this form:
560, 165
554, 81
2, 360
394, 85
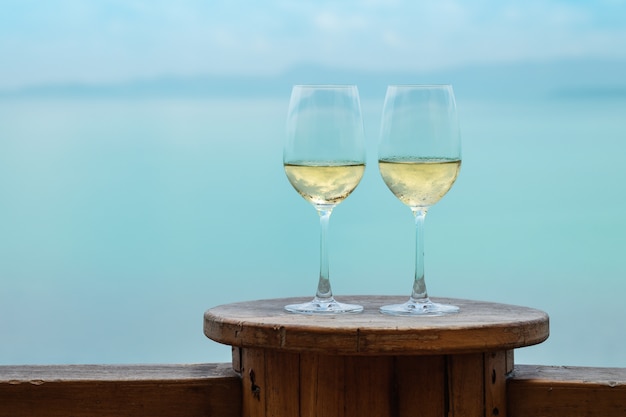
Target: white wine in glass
419, 158
324, 159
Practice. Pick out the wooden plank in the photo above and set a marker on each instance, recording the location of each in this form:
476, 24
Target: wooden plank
253, 382
466, 385
495, 384
322, 385
510, 361
369, 386
71, 373
420, 385
124, 391
550, 391
282, 381
236, 355
478, 327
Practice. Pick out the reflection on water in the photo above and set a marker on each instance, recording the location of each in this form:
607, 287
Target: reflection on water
121, 221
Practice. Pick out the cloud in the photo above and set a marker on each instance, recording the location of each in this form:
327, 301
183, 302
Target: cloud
327, 21
107, 41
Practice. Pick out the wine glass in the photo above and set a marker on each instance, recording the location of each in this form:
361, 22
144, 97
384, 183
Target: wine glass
324, 159
419, 158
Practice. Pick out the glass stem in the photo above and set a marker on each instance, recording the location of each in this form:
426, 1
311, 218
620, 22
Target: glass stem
419, 285
324, 292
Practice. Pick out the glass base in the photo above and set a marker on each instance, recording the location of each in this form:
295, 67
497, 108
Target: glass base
423, 308
327, 306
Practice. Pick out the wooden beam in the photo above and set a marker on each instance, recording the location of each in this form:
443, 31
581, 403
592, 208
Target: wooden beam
212, 390
551, 391
215, 390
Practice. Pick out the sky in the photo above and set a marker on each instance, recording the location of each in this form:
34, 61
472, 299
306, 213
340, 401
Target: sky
141, 167
108, 41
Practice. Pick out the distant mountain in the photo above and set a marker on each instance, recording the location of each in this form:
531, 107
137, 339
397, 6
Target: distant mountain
573, 79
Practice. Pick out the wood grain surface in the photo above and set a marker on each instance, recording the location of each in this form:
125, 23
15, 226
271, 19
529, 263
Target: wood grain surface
555, 391
211, 390
478, 327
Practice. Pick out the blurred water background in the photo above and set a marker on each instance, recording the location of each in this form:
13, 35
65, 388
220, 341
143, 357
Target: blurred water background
128, 208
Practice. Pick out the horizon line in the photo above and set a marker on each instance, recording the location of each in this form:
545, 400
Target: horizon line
560, 77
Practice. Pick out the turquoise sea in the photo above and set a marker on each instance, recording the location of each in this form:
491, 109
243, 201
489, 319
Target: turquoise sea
123, 219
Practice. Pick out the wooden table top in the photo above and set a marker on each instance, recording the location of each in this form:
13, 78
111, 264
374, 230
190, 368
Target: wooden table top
478, 327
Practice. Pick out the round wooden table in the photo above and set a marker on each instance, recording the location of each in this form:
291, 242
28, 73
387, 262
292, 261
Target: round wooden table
370, 364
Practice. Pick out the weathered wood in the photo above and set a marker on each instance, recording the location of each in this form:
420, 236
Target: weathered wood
550, 391
369, 384
281, 396
466, 385
370, 364
510, 361
322, 382
420, 384
236, 355
280, 383
253, 382
107, 390
495, 384
479, 327
214, 390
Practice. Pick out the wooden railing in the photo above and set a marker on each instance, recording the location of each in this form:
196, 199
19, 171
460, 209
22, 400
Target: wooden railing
101, 390
550, 391
215, 390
